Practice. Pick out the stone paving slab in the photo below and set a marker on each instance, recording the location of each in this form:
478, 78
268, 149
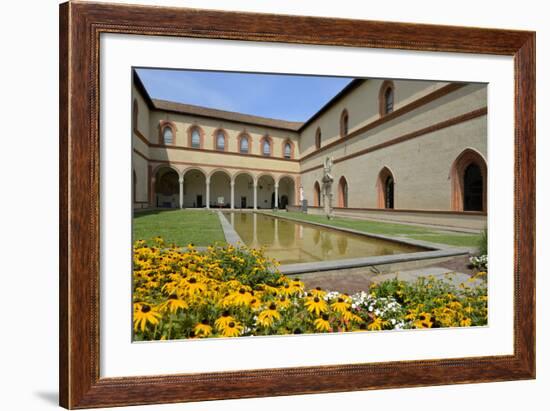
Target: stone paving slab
456, 278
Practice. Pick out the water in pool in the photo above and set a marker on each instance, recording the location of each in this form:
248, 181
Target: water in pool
292, 242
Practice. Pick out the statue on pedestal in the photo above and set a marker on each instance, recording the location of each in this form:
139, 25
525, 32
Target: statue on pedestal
327, 187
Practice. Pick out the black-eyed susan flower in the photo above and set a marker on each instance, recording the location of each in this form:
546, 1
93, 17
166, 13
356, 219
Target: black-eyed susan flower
377, 324
341, 305
322, 323
267, 317
232, 329
284, 302
145, 314
316, 305
173, 304
317, 292
222, 321
203, 329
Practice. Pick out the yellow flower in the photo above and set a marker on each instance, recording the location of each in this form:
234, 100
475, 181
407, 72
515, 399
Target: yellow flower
317, 292
143, 314
284, 302
423, 321
465, 322
173, 304
377, 324
267, 317
203, 329
225, 319
340, 305
232, 329
316, 305
193, 286
241, 297
322, 323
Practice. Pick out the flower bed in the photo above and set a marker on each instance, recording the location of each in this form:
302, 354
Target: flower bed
234, 291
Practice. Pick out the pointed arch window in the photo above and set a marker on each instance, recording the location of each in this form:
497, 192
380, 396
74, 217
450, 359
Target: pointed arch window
266, 146
318, 138
287, 150
386, 97
195, 138
244, 144
167, 135
220, 140
344, 124
343, 192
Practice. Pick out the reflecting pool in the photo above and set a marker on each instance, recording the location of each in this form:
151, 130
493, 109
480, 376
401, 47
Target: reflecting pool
292, 242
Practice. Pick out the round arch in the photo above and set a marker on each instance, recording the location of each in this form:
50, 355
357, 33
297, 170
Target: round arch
219, 183
286, 191
194, 187
265, 190
343, 192
243, 183
469, 182
385, 187
165, 186
316, 194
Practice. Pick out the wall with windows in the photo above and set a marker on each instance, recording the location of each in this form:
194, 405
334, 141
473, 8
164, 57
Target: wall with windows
420, 158
363, 107
408, 151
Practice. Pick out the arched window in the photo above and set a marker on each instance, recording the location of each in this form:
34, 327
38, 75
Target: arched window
317, 194
135, 109
244, 144
220, 140
388, 100
288, 150
266, 146
469, 182
318, 138
195, 138
343, 192
386, 189
167, 135
388, 192
344, 124
386, 97
473, 188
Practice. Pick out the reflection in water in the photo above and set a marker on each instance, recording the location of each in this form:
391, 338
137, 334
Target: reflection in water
292, 242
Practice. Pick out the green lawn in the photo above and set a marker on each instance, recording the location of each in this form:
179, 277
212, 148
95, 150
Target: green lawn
398, 230
180, 227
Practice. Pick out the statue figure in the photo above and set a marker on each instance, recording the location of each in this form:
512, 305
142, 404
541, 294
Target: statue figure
327, 187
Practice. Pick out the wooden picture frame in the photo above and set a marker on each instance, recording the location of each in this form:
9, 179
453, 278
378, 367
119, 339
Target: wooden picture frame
80, 27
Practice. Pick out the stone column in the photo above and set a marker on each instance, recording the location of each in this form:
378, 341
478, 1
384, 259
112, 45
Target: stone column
181, 191
208, 192
276, 232
276, 196
153, 196
232, 195
255, 195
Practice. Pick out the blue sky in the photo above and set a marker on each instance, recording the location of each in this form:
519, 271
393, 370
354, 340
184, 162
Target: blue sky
286, 97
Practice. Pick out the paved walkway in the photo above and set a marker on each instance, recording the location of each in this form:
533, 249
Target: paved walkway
454, 271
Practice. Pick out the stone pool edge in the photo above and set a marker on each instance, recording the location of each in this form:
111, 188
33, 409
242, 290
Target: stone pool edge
231, 236
438, 252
